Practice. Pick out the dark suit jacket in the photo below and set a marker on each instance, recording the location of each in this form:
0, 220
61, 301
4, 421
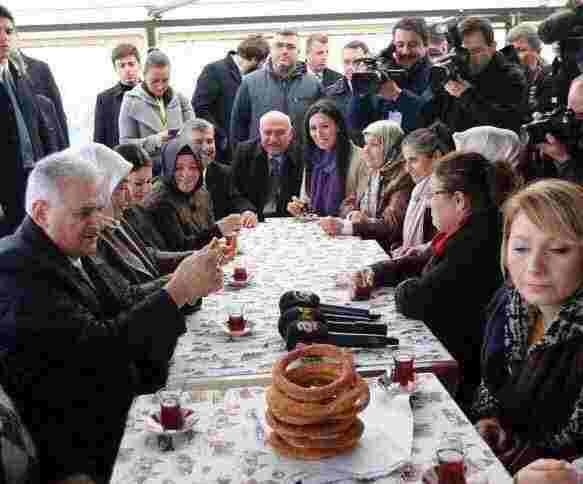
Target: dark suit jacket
107, 106
213, 98
329, 77
218, 183
56, 134
14, 176
251, 175
44, 83
71, 371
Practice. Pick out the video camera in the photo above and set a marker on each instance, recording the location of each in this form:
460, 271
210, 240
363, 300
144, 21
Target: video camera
379, 70
561, 123
455, 64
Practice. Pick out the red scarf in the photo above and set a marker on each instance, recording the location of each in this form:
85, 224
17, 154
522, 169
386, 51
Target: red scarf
439, 242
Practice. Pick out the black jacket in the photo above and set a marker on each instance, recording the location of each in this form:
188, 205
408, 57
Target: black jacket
107, 106
44, 83
214, 96
498, 97
55, 133
14, 176
329, 77
250, 178
217, 179
449, 297
70, 367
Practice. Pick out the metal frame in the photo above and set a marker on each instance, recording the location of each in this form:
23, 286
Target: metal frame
510, 16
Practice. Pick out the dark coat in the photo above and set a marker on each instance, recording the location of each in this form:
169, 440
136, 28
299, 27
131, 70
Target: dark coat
329, 77
14, 176
107, 106
217, 180
250, 178
366, 109
449, 297
214, 96
55, 133
341, 94
44, 83
498, 97
70, 366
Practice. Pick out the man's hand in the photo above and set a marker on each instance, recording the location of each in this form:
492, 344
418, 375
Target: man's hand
546, 471
296, 207
249, 219
457, 88
554, 149
390, 90
493, 433
229, 224
164, 137
196, 276
331, 225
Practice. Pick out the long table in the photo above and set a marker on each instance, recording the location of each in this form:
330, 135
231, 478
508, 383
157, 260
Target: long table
285, 254
223, 448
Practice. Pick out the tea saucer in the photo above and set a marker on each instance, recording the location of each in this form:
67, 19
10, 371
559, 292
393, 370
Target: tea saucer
473, 476
189, 417
237, 334
233, 283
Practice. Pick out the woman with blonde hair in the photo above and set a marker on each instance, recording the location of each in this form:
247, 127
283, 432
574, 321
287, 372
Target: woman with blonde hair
530, 401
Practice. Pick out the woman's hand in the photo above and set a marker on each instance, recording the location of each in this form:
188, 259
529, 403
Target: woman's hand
249, 219
547, 471
493, 433
229, 224
296, 207
363, 278
331, 225
357, 217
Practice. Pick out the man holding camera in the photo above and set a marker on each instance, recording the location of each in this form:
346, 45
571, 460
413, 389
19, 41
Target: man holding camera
398, 102
494, 93
567, 155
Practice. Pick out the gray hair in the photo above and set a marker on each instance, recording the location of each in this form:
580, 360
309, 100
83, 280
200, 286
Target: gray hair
43, 182
196, 124
156, 58
525, 31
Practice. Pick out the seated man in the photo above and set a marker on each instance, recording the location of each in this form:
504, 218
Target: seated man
217, 176
70, 369
267, 171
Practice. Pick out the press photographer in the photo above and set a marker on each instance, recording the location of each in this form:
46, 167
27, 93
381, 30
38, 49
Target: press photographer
399, 100
559, 136
474, 85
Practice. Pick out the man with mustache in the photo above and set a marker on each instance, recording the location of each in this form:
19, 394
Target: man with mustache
492, 92
398, 102
70, 365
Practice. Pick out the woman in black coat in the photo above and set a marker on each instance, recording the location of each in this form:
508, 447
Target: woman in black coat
449, 287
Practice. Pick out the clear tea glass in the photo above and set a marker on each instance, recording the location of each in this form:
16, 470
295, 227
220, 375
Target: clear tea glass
170, 411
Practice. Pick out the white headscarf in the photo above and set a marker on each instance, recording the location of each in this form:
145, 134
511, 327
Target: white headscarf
494, 144
111, 164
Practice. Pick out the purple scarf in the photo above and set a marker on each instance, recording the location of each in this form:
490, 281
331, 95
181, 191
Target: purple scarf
327, 191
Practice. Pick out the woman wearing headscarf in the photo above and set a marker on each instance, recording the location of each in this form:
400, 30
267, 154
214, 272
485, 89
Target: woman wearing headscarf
180, 207
377, 209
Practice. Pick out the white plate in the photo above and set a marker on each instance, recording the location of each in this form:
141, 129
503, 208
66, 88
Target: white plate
153, 425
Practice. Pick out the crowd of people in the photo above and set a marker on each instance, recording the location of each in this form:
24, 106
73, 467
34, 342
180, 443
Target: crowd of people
108, 246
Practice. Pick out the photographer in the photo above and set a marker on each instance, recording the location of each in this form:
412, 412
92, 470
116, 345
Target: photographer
399, 103
567, 155
491, 92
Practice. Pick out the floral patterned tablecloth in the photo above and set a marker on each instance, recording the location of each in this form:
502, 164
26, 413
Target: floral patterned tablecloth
284, 254
225, 448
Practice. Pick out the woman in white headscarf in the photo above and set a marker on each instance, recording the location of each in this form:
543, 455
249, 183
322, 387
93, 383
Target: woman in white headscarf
378, 209
494, 144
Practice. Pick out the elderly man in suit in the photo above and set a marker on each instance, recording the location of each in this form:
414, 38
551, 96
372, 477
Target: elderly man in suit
267, 171
126, 62
217, 86
23, 133
70, 365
